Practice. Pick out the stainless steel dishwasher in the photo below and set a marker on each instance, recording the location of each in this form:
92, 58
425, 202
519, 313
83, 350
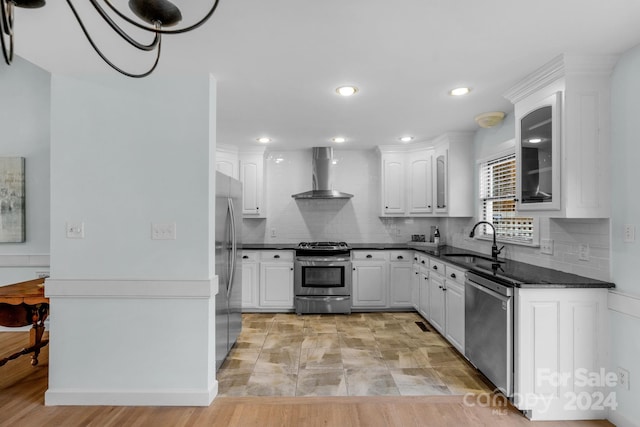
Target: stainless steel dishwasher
488, 331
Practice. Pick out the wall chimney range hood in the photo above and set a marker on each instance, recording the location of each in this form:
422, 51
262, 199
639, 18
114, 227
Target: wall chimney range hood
321, 165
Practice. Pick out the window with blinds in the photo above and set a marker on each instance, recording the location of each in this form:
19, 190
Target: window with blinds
497, 202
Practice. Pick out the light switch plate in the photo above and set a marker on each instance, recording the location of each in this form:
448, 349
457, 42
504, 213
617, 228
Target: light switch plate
163, 231
546, 246
75, 230
583, 252
629, 233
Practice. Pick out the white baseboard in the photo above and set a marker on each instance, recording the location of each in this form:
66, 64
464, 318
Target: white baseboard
624, 303
620, 421
76, 397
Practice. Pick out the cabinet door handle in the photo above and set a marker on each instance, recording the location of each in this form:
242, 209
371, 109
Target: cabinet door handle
415, 259
416, 272
354, 269
444, 289
439, 286
245, 257
276, 256
435, 267
369, 256
453, 275
400, 257
291, 269
422, 261
429, 206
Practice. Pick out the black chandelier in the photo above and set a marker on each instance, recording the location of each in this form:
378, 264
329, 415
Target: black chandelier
159, 14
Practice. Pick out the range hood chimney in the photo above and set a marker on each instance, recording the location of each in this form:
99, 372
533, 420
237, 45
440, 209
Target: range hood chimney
321, 165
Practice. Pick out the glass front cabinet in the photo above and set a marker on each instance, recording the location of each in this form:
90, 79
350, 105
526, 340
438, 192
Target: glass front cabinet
538, 155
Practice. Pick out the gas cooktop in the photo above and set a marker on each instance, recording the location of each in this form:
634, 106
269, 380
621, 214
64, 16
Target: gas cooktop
324, 246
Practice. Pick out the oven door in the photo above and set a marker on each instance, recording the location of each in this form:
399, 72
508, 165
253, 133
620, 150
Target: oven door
322, 276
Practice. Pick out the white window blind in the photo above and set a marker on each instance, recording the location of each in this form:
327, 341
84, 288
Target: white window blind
498, 206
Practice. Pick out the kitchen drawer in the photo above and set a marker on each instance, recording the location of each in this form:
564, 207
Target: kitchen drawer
454, 274
276, 256
249, 256
401, 256
369, 255
436, 266
423, 261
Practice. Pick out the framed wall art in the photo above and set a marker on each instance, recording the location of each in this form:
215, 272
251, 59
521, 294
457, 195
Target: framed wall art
12, 200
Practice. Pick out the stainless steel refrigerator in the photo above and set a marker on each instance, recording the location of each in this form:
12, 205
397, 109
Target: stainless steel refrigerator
228, 264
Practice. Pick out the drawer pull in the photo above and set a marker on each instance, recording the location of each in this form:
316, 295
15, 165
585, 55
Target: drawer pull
415, 258
276, 256
400, 257
453, 275
423, 261
369, 256
291, 269
435, 267
245, 257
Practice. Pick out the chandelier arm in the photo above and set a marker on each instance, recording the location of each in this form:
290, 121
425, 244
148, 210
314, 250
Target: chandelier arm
6, 27
156, 30
119, 30
103, 56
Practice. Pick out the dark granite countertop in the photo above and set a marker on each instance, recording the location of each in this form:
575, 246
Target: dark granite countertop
519, 274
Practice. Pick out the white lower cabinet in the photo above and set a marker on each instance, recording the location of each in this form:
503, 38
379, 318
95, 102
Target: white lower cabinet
436, 301
370, 285
267, 280
276, 285
250, 280
560, 354
400, 278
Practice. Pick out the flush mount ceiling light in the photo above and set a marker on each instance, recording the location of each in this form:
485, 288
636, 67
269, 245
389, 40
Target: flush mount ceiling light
406, 138
490, 119
339, 139
459, 91
347, 90
156, 15
263, 139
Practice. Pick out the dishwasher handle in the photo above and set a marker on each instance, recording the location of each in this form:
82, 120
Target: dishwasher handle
492, 292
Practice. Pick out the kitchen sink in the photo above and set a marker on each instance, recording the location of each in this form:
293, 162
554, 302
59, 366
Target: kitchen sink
473, 258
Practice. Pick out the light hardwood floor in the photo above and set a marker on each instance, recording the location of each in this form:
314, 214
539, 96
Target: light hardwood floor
22, 390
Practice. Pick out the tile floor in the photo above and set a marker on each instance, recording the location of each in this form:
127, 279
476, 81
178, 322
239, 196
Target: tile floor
362, 354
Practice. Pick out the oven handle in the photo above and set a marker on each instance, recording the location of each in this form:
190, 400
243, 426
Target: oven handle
330, 298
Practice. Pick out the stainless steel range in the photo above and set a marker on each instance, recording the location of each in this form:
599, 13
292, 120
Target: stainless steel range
322, 278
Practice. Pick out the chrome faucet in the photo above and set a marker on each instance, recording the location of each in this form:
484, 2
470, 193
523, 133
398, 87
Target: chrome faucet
494, 248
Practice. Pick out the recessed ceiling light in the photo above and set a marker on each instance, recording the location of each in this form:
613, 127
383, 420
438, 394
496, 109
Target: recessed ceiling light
339, 139
347, 90
459, 91
406, 138
264, 139
535, 140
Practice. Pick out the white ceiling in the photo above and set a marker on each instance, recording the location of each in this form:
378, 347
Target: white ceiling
278, 62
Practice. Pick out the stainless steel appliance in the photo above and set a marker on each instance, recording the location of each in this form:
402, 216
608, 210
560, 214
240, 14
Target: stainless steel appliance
322, 278
228, 264
321, 184
489, 328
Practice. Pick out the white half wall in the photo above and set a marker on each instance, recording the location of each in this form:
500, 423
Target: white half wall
132, 318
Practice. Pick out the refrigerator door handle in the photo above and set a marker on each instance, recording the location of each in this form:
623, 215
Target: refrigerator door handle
234, 247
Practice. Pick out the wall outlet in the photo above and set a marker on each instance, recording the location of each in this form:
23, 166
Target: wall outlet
163, 231
273, 232
629, 233
546, 246
583, 252
623, 378
75, 230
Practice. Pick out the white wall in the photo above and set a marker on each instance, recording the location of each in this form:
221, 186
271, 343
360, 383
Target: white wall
132, 319
355, 220
625, 319
24, 120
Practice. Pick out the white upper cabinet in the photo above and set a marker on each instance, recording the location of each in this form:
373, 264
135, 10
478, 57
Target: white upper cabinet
563, 138
393, 183
252, 178
454, 174
432, 178
420, 185
227, 162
